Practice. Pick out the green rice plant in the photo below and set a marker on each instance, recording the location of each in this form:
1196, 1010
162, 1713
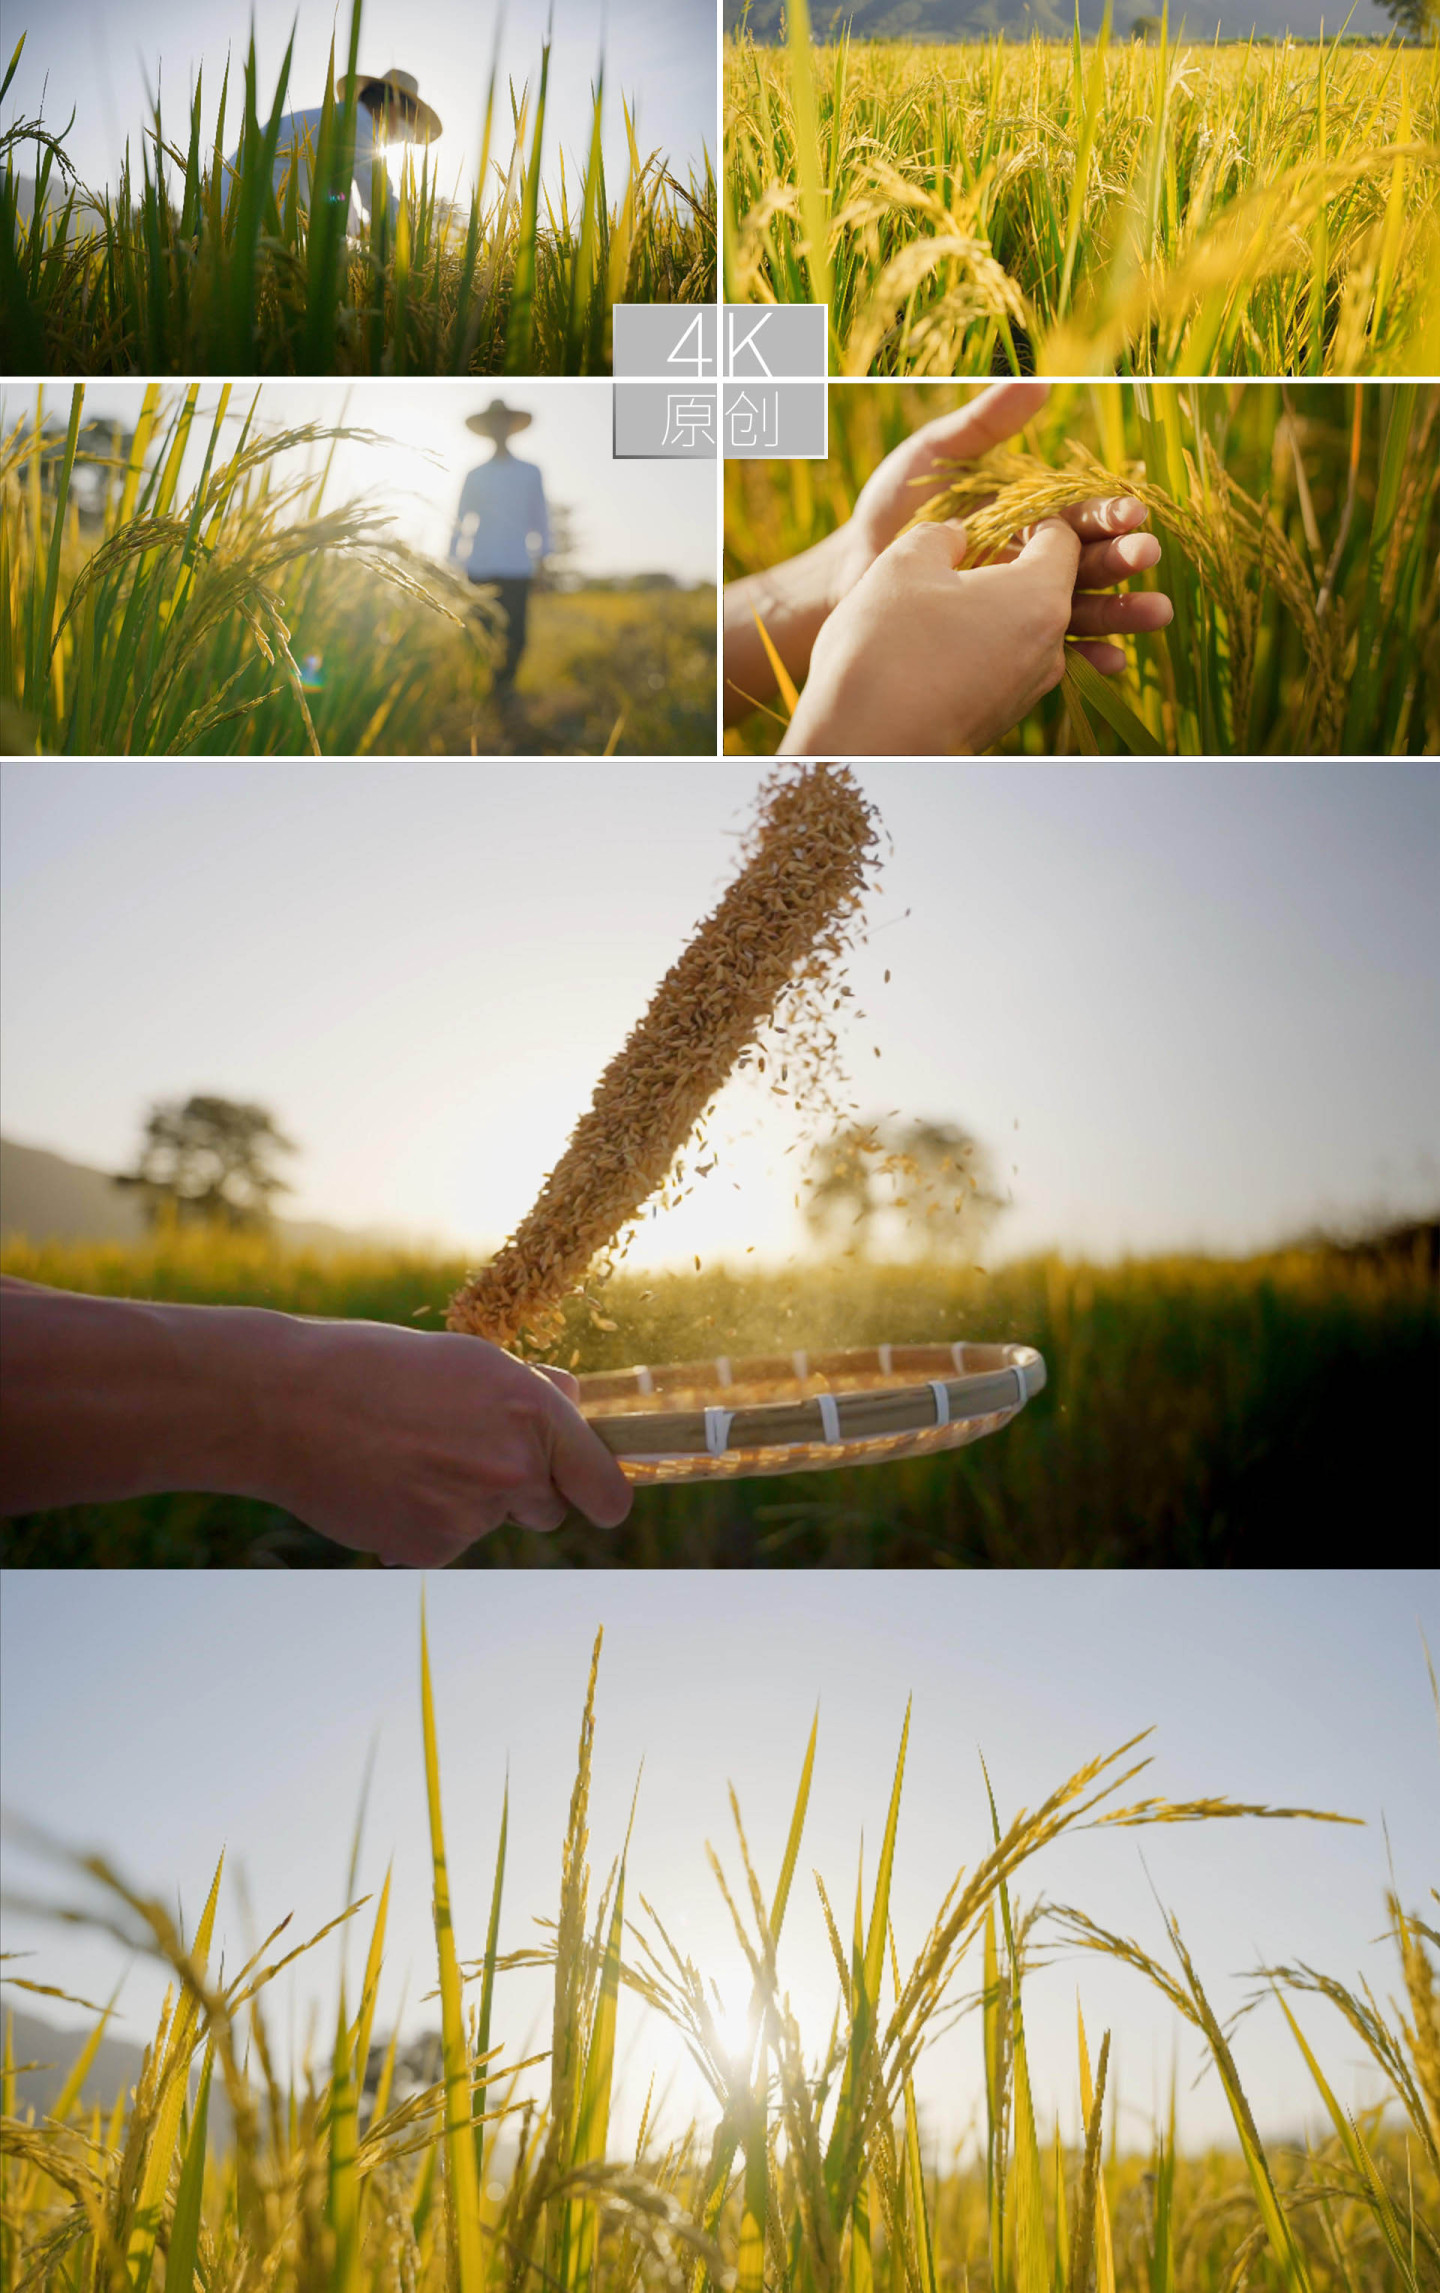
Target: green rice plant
1200, 1411
1299, 526
810, 2175
198, 264
1006, 206
175, 628
246, 616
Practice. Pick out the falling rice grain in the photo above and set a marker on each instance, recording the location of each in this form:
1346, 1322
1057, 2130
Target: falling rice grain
765, 959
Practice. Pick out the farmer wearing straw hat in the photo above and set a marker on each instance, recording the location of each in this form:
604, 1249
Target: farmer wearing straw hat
502, 531
388, 109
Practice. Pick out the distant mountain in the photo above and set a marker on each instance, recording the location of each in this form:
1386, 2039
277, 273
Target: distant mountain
114, 2071
85, 215
937, 21
119, 2061
47, 1198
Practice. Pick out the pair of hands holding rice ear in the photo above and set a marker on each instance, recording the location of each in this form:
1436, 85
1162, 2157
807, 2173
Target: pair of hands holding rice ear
900, 647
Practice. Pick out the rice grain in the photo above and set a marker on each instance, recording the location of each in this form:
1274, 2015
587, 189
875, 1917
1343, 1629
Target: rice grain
768, 957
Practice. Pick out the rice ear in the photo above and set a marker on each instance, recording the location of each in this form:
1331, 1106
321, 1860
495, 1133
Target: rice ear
1235, 544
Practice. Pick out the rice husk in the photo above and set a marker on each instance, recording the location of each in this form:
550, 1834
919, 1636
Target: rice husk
764, 963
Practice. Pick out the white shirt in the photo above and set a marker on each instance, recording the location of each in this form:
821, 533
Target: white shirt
501, 529
298, 144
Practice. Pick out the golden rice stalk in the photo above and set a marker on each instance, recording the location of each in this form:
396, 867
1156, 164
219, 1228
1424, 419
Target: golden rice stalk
1233, 542
567, 2031
1086, 2244
769, 953
1422, 2031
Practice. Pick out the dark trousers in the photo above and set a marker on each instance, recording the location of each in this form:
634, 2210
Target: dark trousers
514, 598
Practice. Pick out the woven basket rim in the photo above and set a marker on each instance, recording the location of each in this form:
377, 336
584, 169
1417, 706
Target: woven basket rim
838, 1402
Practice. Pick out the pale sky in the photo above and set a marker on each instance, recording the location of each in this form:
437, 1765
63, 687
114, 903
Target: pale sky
1185, 1006
626, 516
194, 1713
100, 57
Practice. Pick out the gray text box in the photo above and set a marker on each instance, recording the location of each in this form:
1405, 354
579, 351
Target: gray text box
781, 343
666, 342
665, 421
774, 421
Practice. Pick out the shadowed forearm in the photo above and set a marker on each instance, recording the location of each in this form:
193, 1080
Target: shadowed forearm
793, 600
405, 1443
108, 1398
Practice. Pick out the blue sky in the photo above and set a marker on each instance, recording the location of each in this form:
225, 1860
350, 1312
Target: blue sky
100, 57
1184, 1006
163, 1717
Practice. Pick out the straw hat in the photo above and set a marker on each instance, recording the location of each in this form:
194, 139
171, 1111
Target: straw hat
426, 122
498, 420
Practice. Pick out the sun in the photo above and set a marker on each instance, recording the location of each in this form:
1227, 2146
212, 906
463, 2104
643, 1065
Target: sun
735, 2026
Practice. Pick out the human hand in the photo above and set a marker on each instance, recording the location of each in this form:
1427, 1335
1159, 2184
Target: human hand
413, 1444
919, 470
796, 598
926, 658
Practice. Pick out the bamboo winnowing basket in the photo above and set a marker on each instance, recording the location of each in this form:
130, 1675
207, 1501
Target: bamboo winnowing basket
801, 1413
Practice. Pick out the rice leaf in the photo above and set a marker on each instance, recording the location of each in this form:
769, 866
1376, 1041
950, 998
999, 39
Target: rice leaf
184, 2245
461, 2184
1102, 695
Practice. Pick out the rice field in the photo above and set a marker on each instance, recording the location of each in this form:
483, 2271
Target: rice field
1200, 1411
1103, 207
1300, 530
251, 616
196, 263
606, 672
812, 2170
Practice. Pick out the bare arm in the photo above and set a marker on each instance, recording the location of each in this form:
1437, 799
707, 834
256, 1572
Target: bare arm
410, 1444
793, 600
541, 515
459, 539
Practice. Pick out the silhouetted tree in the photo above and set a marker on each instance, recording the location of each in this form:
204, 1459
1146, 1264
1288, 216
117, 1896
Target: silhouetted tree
209, 1159
932, 1179
1417, 19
